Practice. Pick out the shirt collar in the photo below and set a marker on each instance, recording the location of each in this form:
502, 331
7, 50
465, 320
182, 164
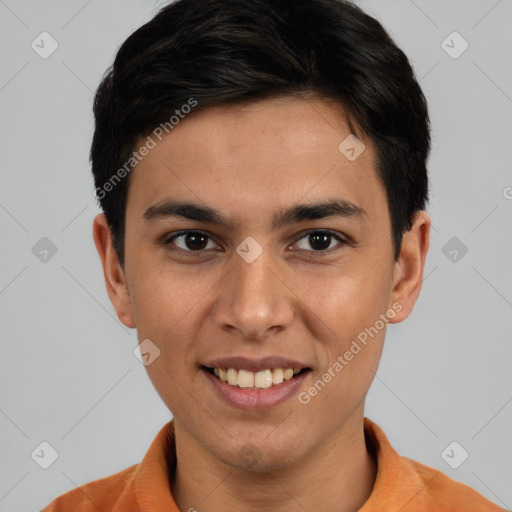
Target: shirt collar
397, 483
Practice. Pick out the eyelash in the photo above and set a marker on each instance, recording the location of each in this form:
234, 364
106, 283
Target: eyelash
169, 240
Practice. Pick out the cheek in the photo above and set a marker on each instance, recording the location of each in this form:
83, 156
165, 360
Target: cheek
165, 306
162, 295
347, 302
347, 297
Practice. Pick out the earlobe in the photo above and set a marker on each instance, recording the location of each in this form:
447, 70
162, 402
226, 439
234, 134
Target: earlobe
113, 272
408, 270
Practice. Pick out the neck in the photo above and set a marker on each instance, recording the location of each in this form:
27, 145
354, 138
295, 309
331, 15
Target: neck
338, 475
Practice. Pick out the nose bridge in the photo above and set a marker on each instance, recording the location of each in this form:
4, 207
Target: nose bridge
255, 299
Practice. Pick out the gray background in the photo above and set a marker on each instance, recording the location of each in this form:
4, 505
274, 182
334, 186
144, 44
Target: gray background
67, 372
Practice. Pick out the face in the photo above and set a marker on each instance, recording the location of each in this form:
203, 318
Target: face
281, 259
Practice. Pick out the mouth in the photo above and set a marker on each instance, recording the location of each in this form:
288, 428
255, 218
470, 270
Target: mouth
252, 384
263, 379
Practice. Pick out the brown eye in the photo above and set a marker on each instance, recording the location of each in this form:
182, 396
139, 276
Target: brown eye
191, 241
320, 241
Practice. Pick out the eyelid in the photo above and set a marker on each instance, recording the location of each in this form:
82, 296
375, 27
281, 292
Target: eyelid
170, 237
342, 239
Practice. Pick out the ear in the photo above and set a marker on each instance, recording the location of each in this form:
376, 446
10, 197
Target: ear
112, 270
408, 270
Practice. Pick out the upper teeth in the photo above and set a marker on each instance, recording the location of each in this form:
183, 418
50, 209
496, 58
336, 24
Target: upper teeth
261, 380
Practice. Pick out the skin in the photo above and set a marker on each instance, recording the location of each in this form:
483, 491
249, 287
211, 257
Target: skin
250, 162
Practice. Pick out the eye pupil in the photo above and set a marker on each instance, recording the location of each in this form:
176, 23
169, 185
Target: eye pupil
196, 241
319, 241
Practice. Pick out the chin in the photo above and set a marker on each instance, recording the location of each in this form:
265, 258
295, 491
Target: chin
261, 457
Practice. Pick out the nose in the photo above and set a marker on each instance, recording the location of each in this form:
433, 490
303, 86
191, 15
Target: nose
254, 299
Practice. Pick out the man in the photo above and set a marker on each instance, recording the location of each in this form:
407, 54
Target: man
261, 167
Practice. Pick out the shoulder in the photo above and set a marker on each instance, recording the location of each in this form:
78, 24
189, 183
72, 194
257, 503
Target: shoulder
408, 485
103, 494
447, 494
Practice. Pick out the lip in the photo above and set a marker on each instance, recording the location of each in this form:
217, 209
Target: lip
254, 365
256, 399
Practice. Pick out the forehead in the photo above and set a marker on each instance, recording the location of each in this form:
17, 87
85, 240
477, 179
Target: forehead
251, 158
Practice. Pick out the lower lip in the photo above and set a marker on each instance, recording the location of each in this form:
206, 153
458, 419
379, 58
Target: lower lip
256, 399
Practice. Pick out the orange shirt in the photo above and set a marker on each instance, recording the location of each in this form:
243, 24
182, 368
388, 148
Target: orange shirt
401, 485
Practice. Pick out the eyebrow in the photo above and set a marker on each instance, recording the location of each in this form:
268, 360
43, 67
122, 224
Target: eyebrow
299, 213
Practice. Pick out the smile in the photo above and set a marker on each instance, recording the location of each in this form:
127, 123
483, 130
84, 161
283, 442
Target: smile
262, 379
